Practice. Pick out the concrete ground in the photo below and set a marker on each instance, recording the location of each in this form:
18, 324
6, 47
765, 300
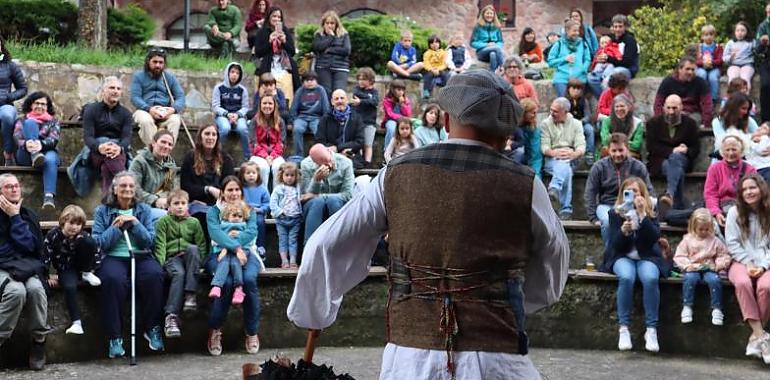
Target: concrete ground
363, 364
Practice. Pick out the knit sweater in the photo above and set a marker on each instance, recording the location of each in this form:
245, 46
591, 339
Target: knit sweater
434, 60
744, 53
524, 89
227, 20
693, 254
174, 234
753, 250
722, 183
635, 138
660, 144
310, 102
695, 94
568, 134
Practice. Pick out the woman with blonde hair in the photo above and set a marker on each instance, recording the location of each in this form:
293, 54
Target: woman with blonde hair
633, 252
487, 38
331, 45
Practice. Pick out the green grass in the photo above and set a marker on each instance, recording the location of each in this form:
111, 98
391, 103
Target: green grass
75, 54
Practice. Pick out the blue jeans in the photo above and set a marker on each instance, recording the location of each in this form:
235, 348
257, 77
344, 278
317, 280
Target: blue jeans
596, 83
561, 89
319, 209
288, 231
561, 181
31, 131
494, 55
627, 271
675, 168
240, 127
603, 214
691, 279
229, 266
390, 131
589, 133
261, 229
711, 76
302, 124
7, 120
251, 307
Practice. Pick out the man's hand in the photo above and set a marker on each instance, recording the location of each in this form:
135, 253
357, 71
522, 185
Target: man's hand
161, 203
227, 36
232, 117
215, 29
53, 282
348, 152
355, 101
321, 173
8, 207
681, 149
307, 196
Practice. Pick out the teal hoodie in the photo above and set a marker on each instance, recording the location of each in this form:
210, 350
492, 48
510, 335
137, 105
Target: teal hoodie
564, 70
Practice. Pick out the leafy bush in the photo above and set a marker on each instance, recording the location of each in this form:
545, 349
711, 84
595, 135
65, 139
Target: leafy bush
724, 14
129, 26
372, 38
38, 20
664, 32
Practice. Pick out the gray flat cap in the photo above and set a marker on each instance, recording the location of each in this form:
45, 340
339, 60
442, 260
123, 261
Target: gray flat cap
481, 99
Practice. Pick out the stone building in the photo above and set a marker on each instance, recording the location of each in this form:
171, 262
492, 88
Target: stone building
446, 16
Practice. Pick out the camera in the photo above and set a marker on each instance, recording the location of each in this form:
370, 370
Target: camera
628, 196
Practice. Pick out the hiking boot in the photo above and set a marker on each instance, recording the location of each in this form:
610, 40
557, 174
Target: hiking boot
215, 342
116, 348
38, 159
252, 344
171, 328
589, 159
686, 314
154, 338
48, 202
717, 317
651, 340
37, 355
624, 339
91, 279
190, 304
665, 203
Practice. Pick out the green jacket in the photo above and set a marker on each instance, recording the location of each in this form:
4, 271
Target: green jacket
174, 235
635, 141
227, 20
154, 178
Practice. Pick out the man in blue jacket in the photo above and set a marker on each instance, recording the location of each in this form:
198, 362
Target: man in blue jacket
20, 266
150, 95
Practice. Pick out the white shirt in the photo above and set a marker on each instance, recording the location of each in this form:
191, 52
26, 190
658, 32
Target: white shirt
337, 256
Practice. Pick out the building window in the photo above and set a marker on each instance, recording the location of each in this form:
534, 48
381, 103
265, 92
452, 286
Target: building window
361, 12
175, 31
506, 11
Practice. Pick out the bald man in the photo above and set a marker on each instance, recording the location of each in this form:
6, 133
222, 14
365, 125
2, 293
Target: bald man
327, 184
672, 143
341, 131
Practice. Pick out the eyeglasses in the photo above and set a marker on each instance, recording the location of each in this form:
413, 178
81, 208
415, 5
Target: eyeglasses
12, 186
158, 50
512, 67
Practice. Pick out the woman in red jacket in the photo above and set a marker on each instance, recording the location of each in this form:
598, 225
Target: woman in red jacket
267, 150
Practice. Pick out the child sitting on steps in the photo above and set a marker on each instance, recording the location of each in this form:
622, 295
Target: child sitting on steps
233, 216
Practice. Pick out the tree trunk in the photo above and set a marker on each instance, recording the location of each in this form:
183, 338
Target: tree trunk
92, 23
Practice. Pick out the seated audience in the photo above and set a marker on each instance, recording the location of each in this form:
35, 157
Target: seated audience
327, 184
274, 50
432, 129
487, 38
587, 32
709, 60
579, 110
758, 155
223, 28
395, 105
458, 58
403, 59
522, 87
629, 64
617, 84
562, 143
623, 121
672, 145
570, 57
720, 191
602, 71
308, 106
13, 87
747, 235
268, 147
20, 245
434, 64
156, 173
694, 92
523, 146
364, 102
342, 131
403, 142
734, 119
36, 135
529, 50
230, 103
739, 54
633, 252
150, 90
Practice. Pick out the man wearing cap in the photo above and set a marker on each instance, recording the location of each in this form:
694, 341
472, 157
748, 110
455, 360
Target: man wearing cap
150, 95
457, 291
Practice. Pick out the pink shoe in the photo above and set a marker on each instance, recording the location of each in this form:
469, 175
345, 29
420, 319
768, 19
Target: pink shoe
238, 296
215, 292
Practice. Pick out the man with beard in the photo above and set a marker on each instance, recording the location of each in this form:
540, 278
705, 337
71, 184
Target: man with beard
456, 299
341, 130
223, 28
672, 143
693, 90
605, 178
150, 95
21, 288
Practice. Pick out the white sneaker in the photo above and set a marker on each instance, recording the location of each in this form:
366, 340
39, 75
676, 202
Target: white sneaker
651, 340
76, 328
686, 314
764, 346
91, 279
717, 317
753, 347
624, 339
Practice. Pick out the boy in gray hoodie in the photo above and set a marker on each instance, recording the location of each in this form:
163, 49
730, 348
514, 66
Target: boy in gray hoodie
230, 102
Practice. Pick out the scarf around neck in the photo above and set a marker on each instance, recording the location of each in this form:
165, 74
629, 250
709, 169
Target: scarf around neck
341, 116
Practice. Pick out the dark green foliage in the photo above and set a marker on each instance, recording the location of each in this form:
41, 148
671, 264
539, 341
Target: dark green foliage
38, 20
371, 37
129, 26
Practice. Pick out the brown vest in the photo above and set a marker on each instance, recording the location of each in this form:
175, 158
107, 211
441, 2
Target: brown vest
459, 239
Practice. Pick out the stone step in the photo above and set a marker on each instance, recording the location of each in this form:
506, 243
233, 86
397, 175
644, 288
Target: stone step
584, 318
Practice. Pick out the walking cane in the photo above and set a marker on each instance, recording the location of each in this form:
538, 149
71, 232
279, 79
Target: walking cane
171, 96
312, 335
132, 255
